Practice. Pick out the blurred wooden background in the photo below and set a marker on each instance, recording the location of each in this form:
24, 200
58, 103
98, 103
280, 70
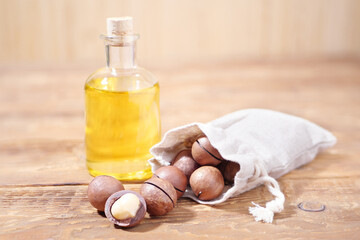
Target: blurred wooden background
177, 32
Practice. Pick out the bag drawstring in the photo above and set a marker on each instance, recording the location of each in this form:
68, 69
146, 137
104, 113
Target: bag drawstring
266, 214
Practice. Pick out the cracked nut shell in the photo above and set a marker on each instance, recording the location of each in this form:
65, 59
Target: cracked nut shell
185, 162
129, 222
207, 182
101, 188
160, 196
175, 176
204, 153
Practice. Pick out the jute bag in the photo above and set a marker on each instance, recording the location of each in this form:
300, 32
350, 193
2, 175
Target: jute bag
266, 144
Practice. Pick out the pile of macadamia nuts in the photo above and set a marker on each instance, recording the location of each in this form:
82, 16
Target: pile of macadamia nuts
202, 168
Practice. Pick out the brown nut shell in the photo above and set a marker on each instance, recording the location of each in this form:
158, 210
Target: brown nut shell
222, 166
230, 170
176, 177
101, 188
204, 153
129, 222
185, 162
207, 182
160, 196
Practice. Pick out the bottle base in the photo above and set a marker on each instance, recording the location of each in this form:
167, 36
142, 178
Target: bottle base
139, 176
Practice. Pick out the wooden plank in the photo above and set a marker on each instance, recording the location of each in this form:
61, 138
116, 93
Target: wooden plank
64, 213
40, 108
43, 178
45, 162
49, 162
42, 129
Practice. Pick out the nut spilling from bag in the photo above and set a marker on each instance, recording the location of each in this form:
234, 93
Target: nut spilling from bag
265, 143
159, 194
207, 182
248, 138
185, 163
175, 176
204, 153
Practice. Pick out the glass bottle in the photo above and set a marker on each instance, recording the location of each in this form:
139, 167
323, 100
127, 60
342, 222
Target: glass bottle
121, 109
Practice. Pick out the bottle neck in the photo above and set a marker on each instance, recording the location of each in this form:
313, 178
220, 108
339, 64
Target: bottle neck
120, 56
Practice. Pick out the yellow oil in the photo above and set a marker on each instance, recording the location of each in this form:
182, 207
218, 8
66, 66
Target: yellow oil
121, 127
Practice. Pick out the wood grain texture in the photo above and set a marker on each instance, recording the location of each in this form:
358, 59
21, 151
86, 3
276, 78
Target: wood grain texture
43, 178
174, 32
64, 213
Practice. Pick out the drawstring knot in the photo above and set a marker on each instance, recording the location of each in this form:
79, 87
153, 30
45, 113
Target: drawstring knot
266, 214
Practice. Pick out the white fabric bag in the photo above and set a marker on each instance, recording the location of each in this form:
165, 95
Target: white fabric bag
266, 144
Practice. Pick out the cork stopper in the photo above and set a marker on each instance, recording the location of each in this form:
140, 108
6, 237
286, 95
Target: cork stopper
119, 26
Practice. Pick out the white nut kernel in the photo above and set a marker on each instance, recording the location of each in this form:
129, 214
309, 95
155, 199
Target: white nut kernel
125, 207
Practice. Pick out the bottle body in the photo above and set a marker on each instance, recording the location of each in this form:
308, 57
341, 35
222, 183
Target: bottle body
122, 122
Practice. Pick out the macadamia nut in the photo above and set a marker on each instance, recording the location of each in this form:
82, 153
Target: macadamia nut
175, 176
204, 153
230, 170
160, 196
207, 182
101, 188
185, 162
126, 206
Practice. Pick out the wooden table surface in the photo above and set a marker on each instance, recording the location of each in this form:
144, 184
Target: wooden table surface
43, 179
